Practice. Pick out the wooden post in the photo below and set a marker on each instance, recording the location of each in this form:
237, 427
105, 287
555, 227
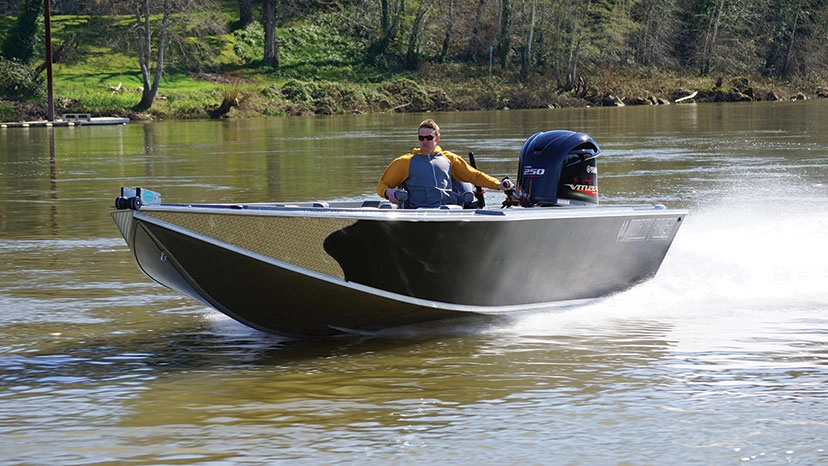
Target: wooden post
47, 17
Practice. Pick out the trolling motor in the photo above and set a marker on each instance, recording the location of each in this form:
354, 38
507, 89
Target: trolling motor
134, 198
556, 168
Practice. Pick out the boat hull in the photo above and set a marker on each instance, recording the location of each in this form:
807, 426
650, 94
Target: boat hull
321, 270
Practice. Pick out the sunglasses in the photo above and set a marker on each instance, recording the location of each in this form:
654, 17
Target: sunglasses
425, 138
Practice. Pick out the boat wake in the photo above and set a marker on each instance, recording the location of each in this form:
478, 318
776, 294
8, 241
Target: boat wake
742, 260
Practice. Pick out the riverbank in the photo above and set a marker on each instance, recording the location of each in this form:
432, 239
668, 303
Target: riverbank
430, 90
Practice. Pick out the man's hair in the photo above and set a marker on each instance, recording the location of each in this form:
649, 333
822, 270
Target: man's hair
430, 124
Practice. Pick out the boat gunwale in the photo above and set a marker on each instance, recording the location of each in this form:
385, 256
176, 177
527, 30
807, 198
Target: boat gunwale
351, 210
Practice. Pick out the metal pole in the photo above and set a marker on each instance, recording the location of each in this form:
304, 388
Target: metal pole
47, 17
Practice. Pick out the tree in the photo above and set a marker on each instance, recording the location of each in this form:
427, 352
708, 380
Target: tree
412, 54
504, 32
527, 38
271, 51
654, 31
730, 42
711, 36
568, 42
450, 20
476, 45
245, 13
796, 31
143, 13
155, 34
391, 13
24, 40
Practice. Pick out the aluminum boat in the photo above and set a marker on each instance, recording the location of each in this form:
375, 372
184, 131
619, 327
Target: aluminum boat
320, 268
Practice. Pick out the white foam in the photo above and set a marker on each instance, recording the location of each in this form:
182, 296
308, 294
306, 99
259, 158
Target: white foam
742, 259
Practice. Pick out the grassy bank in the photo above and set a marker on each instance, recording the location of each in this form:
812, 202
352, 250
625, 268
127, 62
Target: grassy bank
203, 96
322, 71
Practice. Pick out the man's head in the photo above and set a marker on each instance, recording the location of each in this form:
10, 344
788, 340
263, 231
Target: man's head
429, 134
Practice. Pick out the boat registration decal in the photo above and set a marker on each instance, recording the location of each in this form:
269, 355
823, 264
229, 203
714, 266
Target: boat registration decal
646, 229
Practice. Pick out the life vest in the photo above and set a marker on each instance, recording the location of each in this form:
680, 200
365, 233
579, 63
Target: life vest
429, 182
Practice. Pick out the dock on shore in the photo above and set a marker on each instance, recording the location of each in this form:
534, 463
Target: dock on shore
67, 119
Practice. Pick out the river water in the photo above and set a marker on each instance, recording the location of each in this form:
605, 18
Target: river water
722, 358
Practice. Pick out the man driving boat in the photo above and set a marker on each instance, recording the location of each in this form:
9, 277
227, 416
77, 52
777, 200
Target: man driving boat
427, 174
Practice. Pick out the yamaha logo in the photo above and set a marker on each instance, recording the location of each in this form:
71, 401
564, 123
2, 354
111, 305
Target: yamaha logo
582, 187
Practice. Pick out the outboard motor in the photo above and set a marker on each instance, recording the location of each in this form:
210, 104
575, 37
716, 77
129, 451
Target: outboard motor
557, 168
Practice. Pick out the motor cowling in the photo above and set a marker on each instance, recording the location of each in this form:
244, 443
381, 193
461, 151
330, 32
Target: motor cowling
558, 168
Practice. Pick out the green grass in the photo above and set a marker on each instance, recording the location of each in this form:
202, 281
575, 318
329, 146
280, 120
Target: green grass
322, 70
8, 112
308, 52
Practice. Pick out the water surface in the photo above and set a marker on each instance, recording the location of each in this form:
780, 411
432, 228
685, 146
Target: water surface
721, 359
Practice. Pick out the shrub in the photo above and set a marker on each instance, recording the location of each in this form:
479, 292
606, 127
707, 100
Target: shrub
249, 45
19, 82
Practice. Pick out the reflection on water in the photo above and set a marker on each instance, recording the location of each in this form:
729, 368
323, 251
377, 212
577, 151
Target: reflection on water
403, 392
589, 390
719, 359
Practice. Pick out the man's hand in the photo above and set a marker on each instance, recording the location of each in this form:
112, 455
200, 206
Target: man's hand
506, 184
391, 195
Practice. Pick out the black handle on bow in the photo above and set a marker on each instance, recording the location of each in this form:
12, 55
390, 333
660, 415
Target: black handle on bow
478, 191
